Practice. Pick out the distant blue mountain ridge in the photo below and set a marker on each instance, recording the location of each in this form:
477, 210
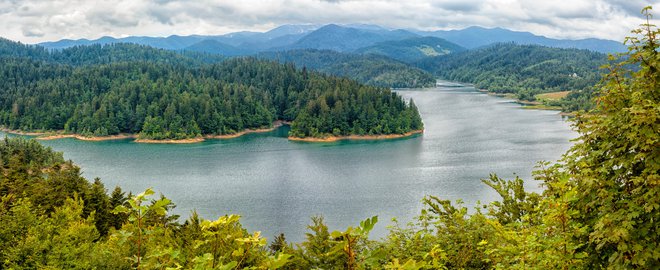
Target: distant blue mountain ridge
344, 38
474, 37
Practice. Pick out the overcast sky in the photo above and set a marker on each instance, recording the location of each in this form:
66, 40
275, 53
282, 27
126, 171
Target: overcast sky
32, 21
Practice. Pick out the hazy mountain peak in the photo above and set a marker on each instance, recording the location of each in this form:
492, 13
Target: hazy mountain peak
290, 29
363, 26
341, 38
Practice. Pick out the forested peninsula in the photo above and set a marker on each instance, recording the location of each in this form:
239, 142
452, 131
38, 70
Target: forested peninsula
161, 95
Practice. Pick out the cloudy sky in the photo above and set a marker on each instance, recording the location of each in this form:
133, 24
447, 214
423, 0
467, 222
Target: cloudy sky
32, 21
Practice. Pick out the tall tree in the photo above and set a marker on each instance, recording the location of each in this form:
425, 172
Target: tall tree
615, 166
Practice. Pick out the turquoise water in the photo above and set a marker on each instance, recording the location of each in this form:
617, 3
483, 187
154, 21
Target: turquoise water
276, 184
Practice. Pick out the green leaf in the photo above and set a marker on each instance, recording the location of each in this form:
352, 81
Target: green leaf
228, 266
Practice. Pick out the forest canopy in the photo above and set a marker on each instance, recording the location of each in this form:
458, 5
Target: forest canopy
149, 92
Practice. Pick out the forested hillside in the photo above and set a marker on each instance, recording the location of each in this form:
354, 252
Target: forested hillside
136, 89
215, 47
524, 70
105, 54
368, 69
412, 49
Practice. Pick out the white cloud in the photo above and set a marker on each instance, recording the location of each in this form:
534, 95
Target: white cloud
37, 20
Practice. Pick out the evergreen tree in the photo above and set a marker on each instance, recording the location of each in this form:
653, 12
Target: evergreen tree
279, 244
97, 201
117, 198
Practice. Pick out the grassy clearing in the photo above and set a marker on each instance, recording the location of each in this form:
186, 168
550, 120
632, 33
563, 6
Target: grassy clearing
552, 95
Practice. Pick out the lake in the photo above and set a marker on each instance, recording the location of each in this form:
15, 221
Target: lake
276, 185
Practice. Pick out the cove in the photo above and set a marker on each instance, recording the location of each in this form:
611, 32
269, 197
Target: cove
276, 185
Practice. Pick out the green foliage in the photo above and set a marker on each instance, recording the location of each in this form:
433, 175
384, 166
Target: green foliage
137, 211
515, 204
32, 239
279, 244
458, 234
315, 252
347, 242
117, 198
577, 100
615, 165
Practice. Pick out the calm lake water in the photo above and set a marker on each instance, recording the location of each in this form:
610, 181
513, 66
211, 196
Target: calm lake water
276, 185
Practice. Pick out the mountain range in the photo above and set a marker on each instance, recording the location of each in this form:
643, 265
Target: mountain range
474, 37
343, 38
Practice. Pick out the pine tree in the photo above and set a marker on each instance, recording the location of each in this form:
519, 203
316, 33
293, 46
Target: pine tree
278, 244
117, 198
97, 201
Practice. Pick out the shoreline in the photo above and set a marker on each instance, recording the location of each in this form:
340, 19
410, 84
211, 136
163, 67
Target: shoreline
18, 132
277, 124
526, 105
56, 135
84, 138
356, 137
171, 141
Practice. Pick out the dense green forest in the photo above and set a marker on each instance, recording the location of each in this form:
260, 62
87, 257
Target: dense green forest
369, 69
372, 70
168, 99
599, 208
105, 54
412, 49
524, 70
